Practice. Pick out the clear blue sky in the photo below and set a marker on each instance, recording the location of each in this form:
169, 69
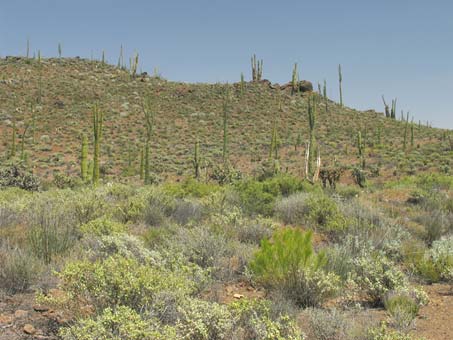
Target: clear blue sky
399, 48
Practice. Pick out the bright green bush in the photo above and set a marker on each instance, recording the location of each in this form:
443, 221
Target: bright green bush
288, 262
102, 226
122, 323
191, 187
259, 197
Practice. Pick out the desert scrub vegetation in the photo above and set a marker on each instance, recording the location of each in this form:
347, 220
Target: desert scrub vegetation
143, 260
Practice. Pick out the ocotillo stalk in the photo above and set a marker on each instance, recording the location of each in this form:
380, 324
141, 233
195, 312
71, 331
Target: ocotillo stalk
22, 142
98, 121
340, 80
84, 158
387, 108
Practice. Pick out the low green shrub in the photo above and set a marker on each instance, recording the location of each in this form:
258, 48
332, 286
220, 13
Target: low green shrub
254, 319
259, 197
120, 281
102, 226
316, 209
403, 309
190, 188
327, 325
121, 323
384, 333
288, 262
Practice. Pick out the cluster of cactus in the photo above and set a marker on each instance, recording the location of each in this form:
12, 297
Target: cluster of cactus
390, 112
149, 120
134, 65
257, 68
295, 80
98, 121
340, 80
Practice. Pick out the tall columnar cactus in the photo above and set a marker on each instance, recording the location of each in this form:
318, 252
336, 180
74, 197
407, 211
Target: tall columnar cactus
406, 126
257, 68
273, 148
134, 65
324, 94
13, 140
98, 121
225, 126
60, 50
149, 120
340, 80
393, 111
103, 57
120, 58
28, 48
196, 159
309, 169
361, 149
242, 84
84, 158
295, 80
142, 163
412, 134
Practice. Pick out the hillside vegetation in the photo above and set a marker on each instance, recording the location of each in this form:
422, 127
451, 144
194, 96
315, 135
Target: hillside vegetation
136, 208
54, 98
